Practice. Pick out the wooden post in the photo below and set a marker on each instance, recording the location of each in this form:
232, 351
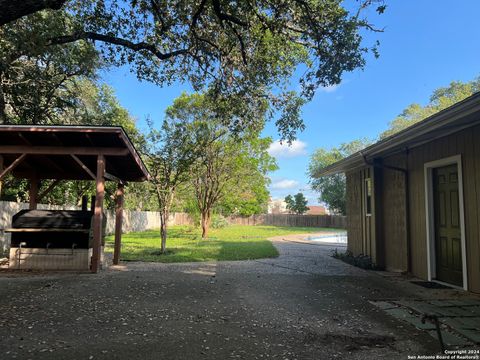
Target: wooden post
92, 204
1, 169
84, 202
33, 193
98, 214
118, 222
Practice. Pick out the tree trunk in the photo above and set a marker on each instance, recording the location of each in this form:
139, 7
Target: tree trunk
163, 230
3, 105
205, 223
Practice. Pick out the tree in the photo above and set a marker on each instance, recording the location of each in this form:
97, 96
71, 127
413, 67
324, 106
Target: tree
439, 100
332, 188
246, 50
296, 204
250, 197
171, 154
227, 166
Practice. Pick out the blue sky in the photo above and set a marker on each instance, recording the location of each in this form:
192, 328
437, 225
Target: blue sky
426, 45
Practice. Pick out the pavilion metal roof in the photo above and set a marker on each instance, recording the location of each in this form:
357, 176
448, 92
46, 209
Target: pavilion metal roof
70, 152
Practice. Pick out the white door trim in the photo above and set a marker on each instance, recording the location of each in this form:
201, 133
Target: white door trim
430, 219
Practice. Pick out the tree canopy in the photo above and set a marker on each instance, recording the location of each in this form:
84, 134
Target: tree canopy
440, 99
332, 188
296, 204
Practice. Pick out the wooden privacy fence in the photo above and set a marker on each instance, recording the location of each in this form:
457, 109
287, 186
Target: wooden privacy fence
328, 221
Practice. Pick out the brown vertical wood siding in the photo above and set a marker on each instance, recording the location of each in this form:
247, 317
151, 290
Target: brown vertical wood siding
354, 212
392, 191
394, 214
360, 227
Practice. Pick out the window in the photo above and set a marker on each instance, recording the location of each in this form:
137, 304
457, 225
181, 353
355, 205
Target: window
368, 196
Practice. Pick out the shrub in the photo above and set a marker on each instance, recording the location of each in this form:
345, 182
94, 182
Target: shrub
219, 222
361, 261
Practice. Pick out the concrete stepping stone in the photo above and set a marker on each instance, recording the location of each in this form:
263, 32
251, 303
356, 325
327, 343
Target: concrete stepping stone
461, 323
421, 307
399, 313
466, 302
442, 303
474, 309
472, 335
454, 311
416, 321
451, 339
384, 305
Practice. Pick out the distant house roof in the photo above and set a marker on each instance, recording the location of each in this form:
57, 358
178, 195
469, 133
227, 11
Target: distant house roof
69, 152
461, 115
316, 210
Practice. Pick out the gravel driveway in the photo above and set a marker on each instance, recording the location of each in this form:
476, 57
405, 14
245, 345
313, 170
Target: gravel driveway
302, 305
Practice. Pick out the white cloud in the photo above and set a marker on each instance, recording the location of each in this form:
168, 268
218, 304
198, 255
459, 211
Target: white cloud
284, 184
330, 88
296, 148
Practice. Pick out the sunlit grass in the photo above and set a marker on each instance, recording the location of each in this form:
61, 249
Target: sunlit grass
184, 244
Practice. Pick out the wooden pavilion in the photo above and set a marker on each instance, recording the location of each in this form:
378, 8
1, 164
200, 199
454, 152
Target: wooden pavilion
60, 153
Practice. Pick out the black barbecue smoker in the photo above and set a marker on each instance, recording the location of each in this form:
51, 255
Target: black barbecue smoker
53, 239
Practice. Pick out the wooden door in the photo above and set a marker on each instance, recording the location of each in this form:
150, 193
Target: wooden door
448, 245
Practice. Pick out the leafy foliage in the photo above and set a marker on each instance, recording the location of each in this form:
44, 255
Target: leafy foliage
296, 204
38, 82
332, 188
219, 221
171, 154
361, 261
244, 50
230, 168
440, 99
229, 171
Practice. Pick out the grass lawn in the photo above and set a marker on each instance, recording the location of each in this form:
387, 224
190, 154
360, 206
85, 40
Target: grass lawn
184, 244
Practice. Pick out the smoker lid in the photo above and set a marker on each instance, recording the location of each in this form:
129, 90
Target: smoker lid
56, 219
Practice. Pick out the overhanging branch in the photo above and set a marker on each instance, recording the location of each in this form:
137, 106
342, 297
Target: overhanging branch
88, 35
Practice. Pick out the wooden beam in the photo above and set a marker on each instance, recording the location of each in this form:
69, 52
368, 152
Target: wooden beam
89, 139
135, 155
98, 214
54, 165
33, 193
84, 167
12, 166
68, 150
45, 230
111, 177
1, 169
59, 142
61, 128
47, 190
118, 222
20, 135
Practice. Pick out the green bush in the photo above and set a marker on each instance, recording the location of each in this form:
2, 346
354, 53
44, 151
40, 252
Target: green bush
219, 222
361, 261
